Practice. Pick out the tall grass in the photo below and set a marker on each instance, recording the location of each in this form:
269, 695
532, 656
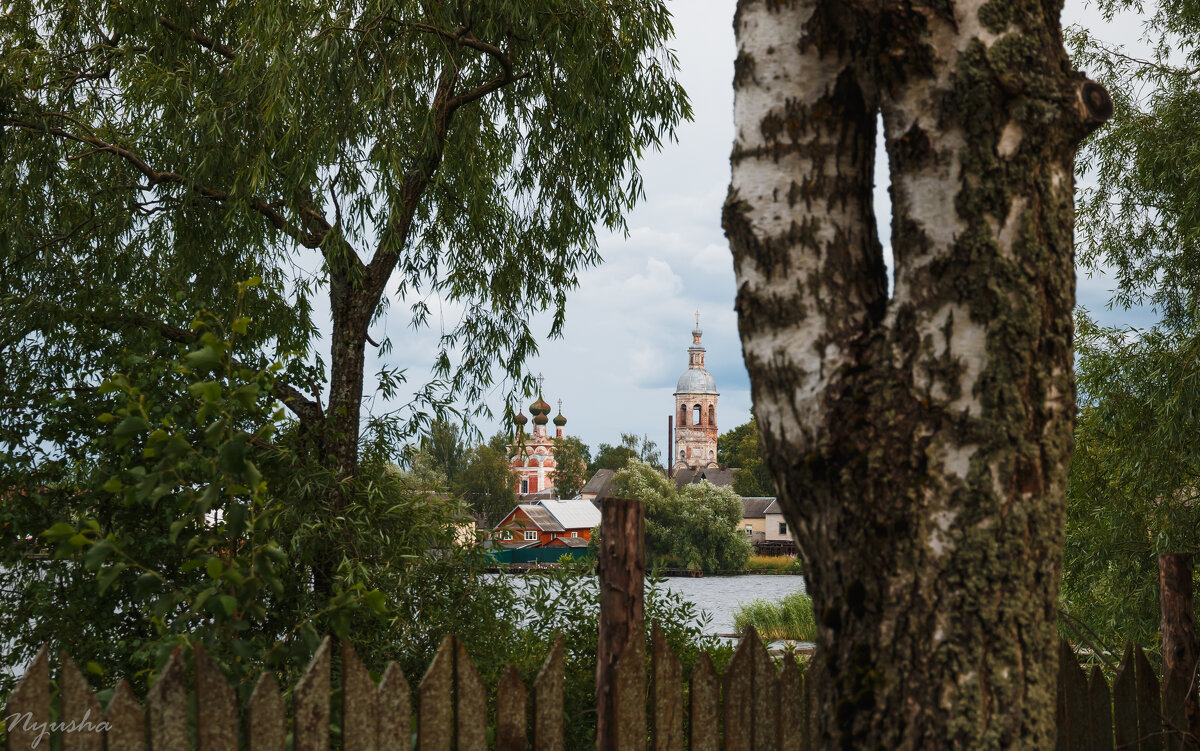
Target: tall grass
774, 563
790, 618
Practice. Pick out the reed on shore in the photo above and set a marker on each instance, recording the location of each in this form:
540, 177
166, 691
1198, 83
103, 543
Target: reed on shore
790, 618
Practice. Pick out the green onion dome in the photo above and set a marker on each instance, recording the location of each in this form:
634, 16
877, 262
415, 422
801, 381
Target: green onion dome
559, 420
540, 418
520, 419
540, 408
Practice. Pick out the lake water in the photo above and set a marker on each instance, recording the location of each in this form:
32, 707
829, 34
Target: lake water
720, 596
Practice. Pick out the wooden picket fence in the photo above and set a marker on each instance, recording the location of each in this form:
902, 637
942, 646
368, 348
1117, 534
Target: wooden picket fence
757, 706
1137, 714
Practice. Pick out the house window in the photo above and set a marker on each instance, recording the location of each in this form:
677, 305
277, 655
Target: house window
506, 535
524, 487
749, 530
783, 528
574, 534
531, 535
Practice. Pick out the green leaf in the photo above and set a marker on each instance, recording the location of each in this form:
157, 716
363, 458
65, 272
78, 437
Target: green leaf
376, 600
215, 567
204, 359
59, 531
131, 426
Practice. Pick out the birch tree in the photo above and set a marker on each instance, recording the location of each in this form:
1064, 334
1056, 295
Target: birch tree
919, 440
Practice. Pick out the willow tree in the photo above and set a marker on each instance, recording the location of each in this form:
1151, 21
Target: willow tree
348, 153
919, 440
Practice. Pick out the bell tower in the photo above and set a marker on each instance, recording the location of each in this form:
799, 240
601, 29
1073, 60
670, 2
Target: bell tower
695, 411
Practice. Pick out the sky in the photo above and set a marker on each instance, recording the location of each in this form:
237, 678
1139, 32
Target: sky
628, 323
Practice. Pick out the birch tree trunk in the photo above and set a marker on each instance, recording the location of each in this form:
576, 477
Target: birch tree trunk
919, 442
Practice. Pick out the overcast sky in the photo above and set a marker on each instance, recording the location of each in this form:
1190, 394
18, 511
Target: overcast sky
628, 324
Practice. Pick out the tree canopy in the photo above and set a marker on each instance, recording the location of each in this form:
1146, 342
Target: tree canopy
739, 448
696, 528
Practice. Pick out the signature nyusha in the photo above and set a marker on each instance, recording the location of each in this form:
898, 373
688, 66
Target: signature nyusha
25, 722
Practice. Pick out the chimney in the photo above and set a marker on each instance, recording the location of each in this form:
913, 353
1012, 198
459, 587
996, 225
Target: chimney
670, 442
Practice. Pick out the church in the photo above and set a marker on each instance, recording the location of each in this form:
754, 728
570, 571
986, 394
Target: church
532, 456
692, 440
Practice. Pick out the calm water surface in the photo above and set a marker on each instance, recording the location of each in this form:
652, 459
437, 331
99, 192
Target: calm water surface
720, 596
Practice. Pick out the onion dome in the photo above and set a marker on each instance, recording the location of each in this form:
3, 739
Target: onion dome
559, 420
520, 419
540, 409
540, 419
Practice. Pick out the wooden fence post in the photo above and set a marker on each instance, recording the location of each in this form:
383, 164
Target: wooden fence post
1181, 702
621, 653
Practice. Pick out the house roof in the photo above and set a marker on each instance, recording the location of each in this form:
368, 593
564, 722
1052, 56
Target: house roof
544, 520
600, 485
568, 542
721, 477
573, 514
755, 508
773, 508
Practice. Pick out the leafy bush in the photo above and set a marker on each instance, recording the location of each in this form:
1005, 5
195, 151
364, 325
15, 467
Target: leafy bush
790, 618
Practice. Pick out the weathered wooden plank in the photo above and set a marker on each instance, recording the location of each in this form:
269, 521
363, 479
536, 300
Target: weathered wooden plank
126, 724
737, 690
631, 698
1125, 718
1100, 712
267, 721
810, 705
310, 703
764, 698
360, 710
81, 713
790, 718
28, 709
1149, 703
548, 702
705, 691
510, 713
435, 728
216, 706
1061, 720
470, 703
1074, 687
668, 695
395, 710
166, 707
621, 565
1174, 694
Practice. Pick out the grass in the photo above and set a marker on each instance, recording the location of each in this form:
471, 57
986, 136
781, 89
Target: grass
790, 618
774, 563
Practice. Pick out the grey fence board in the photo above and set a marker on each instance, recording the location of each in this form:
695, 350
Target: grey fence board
668, 695
435, 731
126, 723
360, 710
395, 710
29, 705
510, 713
216, 706
548, 702
310, 702
705, 693
81, 710
470, 703
166, 707
267, 721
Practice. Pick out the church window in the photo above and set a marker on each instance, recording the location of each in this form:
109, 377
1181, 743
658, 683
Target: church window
680, 453
697, 415
683, 415
524, 486
712, 414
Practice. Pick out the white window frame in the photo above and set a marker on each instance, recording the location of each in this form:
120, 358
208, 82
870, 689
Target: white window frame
531, 535
505, 534
574, 534
783, 528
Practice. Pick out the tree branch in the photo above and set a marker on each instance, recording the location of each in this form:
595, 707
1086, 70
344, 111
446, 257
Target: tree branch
201, 39
156, 177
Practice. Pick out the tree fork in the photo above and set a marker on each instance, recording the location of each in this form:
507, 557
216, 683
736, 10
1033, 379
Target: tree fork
919, 443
